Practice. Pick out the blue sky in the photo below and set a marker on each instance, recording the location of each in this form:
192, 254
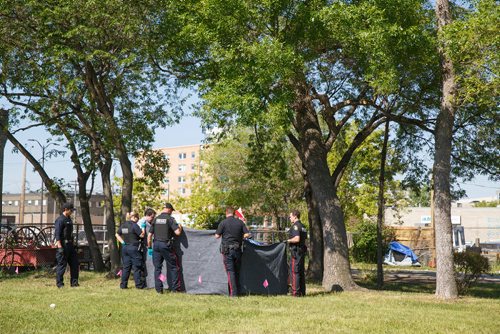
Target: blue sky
187, 132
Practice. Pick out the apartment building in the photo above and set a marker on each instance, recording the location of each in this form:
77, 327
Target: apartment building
185, 164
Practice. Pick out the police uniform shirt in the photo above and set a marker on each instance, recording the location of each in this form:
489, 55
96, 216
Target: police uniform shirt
63, 228
298, 229
232, 230
130, 232
163, 219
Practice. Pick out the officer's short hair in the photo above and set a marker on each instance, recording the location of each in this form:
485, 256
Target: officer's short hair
229, 210
296, 213
149, 212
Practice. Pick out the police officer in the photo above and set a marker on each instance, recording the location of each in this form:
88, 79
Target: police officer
163, 229
129, 234
232, 231
298, 249
66, 252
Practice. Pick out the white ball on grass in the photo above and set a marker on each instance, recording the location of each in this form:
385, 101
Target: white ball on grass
52, 305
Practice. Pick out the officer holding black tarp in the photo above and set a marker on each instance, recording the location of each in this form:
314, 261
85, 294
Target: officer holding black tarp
298, 250
232, 231
129, 234
66, 252
163, 229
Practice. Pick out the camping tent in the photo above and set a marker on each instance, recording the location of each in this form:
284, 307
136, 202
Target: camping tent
400, 255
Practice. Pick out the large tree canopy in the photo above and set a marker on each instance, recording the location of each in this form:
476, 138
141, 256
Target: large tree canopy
305, 70
83, 69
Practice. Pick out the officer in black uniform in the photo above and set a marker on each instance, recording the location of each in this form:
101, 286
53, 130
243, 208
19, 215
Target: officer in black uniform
163, 229
129, 234
298, 250
66, 252
232, 231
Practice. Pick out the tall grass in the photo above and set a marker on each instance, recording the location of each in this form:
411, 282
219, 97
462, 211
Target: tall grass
99, 306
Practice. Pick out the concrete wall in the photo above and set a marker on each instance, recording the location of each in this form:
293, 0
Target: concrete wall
482, 223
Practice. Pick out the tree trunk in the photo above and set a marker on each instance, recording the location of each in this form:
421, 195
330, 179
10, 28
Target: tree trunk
446, 287
109, 215
337, 270
381, 208
127, 184
4, 124
315, 267
95, 252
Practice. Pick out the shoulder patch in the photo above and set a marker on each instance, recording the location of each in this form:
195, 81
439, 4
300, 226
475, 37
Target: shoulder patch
295, 227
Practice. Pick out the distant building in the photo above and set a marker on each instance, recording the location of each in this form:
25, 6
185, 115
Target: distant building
478, 223
185, 164
44, 214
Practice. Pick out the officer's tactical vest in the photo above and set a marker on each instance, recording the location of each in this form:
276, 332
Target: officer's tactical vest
302, 232
127, 233
67, 229
162, 227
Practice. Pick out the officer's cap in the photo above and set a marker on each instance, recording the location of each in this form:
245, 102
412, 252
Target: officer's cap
68, 206
169, 206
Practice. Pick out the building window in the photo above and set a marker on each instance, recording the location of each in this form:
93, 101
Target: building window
182, 191
182, 156
30, 202
44, 202
181, 179
10, 202
16, 203
165, 192
193, 167
167, 156
36, 202
166, 180
193, 154
182, 168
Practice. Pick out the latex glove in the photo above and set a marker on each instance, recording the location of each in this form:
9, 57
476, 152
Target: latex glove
150, 251
143, 225
123, 243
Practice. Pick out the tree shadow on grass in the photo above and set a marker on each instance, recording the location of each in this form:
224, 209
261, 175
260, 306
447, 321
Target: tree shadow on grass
479, 290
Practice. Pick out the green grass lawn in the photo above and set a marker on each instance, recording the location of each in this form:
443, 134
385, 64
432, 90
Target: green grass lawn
99, 306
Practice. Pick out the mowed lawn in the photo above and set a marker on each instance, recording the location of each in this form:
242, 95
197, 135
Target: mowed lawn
99, 306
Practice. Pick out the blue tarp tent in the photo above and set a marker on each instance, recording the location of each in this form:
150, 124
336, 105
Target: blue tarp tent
408, 258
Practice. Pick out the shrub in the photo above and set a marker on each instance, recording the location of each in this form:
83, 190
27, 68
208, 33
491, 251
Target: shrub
468, 268
365, 241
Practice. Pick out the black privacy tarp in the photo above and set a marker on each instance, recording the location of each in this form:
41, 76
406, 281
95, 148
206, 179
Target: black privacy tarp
264, 269
203, 270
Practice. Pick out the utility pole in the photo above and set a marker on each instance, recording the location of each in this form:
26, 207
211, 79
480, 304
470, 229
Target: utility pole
74, 199
43, 147
23, 194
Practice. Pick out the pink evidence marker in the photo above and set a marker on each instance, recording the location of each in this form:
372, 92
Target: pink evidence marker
199, 279
162, 278
265, 284
119, 273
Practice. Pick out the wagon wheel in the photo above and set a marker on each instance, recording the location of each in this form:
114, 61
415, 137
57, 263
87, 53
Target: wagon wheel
10, 262
49, 235
27, 236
